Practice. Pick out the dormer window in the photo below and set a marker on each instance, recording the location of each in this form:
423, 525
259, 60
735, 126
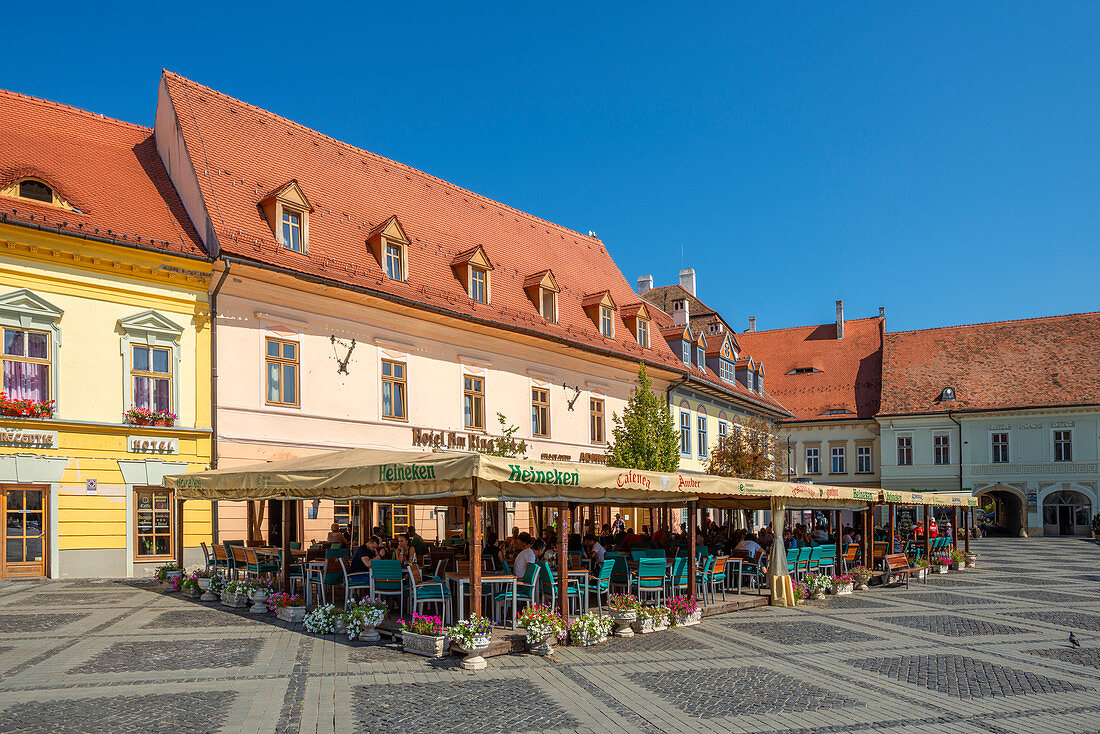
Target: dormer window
643, 333
686, 351
635, 317
601, 308
390, 245
803, 371
472, 268
35, 190
606, 325
287, 213
542, 290
292, 230
948, 393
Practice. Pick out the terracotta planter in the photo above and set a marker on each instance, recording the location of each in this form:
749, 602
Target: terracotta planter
292, 615
623, 619
473, 659
430, 646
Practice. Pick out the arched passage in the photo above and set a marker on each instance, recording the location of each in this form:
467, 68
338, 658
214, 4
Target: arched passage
1002, 511
1066, 513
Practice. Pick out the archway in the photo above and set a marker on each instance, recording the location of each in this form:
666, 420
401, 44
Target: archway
1006, 516
1066, 513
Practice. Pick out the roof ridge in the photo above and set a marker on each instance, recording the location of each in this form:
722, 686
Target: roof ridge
1001, 321
382, 158
71, 109
812, 326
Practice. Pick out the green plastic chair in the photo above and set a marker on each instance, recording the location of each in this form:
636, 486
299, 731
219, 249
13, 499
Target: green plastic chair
679, 577
827, 560
431, 592
650, 578
815, 558
548, 587
600, 585
525, 592
704, 578
386, 580
718, 576
620, 572
803, 563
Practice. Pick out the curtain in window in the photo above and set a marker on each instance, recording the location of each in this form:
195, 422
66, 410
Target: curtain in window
25, 381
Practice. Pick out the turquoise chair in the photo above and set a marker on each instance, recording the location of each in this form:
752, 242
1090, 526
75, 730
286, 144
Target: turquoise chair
679, 577
525, 592
386, 580
548, 587
637, 554
655, 553
815, 558
827, 559
803, 563
701, 551
353, 581
620, 572
718, 576
297, 571
704, 578
600, 585
432, 592
650, 578
792, 561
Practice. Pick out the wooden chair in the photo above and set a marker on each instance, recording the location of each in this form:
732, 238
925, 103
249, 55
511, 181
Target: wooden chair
221, 559
240, 561
851, 555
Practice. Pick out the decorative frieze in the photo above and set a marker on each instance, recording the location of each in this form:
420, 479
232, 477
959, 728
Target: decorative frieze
1057, 467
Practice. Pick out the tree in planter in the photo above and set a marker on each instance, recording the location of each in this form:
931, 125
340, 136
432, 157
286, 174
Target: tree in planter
751, 451
644, 437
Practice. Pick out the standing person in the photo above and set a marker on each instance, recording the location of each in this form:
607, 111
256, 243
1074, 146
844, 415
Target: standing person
619, 526
525, 556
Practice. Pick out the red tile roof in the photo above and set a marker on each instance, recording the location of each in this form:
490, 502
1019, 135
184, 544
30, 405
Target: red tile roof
108, 169
247, 151
851, 368
1029, 363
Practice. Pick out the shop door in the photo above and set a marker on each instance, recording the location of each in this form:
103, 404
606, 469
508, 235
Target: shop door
24, 533
1065, 520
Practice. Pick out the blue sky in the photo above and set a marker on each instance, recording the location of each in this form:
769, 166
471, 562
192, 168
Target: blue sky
938, 160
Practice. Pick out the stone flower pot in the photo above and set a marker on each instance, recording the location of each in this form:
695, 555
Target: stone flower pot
687, 620
259, 603
204, 584
622, 619
817, 594
542, 646
430, 646
941, 569
368, 634
971, 560
171, 577
957, 565
842, 589
473, 659
861, 583
292, 614
235, 601
660, 624
644, 625
579, 641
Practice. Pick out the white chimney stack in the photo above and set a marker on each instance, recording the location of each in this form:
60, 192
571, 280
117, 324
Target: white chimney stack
840, 319
687, 280
680, 312
752, 323
645, 284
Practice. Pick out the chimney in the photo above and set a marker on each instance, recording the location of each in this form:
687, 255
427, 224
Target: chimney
882, 312
680, 312
752, 324
687, 280
645, 284
840, 319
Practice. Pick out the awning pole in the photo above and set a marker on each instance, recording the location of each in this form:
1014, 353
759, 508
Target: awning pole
475, 552
692, 509
954, 528
564, 527
966, 538
927, 536
179, 534
285, 542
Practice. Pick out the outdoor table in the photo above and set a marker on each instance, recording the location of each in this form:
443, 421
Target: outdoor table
734, 562
582, 574
461, 581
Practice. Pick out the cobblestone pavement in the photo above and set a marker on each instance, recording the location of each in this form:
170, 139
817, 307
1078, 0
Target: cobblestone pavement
975, 651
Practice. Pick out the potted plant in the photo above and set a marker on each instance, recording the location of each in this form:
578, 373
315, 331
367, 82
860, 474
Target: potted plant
140, 416
650, 619
322, 620
190, 585
235, 594
971, 559
624, 610
958, 560
843, 584
168, 572
861, 575
164, 418
923, 567
361, 619
25, 407
423, 636
817, 584
686, 610
1096, 526
215, 587
542, 625
258, 591
939, 563
591, 629
800, 592
471, 636
287, 607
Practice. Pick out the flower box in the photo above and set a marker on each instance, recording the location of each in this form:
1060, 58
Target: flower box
192, 591
236, 601
643, 625
687, 620
578, 640
623, 619
941, 569
957, 565
430, 646
842, 589
292, 615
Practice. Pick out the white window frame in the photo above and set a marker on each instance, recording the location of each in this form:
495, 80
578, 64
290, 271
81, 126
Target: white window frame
838, 453
1054, 444
153, 329
813, 454
908, 437
864, 453
23, 309
935, 449
1007, 447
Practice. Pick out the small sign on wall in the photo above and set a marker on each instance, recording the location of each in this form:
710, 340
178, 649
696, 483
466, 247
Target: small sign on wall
152, 445
91, 486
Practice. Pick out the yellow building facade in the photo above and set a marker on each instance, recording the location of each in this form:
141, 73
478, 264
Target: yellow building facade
81, 484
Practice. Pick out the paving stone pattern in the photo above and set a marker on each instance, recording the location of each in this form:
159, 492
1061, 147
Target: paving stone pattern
30, 622
981, 651
963, 677
803, 632
176, 712
712, 692
507, 705
952, 625
173, 655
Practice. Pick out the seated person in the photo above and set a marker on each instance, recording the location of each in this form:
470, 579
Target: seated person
364, 554
404, 551
750, 545
525, 556
334, 534
491, 549
631, 538
593, 550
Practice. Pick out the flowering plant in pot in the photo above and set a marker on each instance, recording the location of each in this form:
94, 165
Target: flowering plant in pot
164, 418
167, 571
686, 610
215, 587
542, 625
423, 635
471, 636
140, 416
843, 583
590, 629
322, 620
958, 560
650, 619
288, 607
800, 591
624, 610
361, 619
236, 594
939, 563
258, 591
971, 559
189, 584
861, 575
25, 407
817, 584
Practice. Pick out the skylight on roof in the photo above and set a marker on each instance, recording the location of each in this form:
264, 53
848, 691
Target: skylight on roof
838, 411
803, 371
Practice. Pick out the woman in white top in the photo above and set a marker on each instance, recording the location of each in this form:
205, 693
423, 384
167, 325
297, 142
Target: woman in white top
524, 557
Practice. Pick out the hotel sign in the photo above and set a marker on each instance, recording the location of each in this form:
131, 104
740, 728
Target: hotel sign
152, 445
28, 439
430, 438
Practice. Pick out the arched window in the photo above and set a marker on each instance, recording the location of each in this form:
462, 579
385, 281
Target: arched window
35, 190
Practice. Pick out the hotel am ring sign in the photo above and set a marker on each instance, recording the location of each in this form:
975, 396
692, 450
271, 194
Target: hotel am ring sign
152, 445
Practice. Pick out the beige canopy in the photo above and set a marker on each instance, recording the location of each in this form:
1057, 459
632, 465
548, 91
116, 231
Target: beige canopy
938, 499
412, 476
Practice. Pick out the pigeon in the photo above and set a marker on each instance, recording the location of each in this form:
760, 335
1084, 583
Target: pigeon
1073, 640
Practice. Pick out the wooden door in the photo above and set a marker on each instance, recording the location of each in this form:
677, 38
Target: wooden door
24, 531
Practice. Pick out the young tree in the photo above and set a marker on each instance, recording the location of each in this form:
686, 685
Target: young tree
505, 444
750, 451
645, 436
